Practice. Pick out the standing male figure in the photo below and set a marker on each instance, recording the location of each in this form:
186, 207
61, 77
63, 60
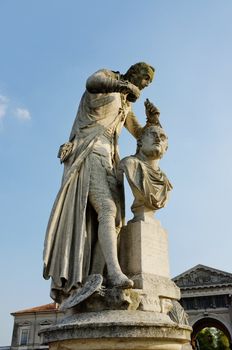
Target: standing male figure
88, 211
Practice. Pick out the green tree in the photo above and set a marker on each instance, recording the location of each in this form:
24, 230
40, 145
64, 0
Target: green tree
222, 341
212, 339
206, 339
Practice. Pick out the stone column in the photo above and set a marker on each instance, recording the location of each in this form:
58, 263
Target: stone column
143, 256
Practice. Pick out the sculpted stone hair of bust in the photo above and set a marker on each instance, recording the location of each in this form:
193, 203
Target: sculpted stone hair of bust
144, 131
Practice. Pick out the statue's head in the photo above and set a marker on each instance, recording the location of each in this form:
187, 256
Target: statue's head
153, 142
140, 74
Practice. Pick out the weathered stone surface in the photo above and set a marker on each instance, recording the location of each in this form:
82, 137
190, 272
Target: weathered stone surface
120, 330
177, 314
143, 257
92, 285
144, 250
168, 343
110, 299
186, 347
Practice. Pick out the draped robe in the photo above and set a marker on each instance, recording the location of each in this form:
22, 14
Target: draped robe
150, 186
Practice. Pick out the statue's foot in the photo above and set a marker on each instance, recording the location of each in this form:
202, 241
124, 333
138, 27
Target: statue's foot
119, 280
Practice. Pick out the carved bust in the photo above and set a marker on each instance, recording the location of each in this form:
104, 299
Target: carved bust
150, 186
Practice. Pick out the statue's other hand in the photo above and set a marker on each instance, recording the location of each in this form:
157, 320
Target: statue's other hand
129, 89
65, 151
152, 112
150, 108
134, 92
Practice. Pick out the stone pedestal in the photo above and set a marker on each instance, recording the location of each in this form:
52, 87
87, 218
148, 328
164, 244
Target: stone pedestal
121, 330
138, 318
144, 258
144, 250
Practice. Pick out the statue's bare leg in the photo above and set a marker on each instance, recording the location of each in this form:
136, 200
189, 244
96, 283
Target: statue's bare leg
98, 260
102, 201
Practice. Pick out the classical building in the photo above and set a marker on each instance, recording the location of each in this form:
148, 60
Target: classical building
206, 297
27, 324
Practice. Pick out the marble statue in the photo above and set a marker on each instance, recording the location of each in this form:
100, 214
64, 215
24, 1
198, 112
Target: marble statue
114, 288
150, 186
81, 237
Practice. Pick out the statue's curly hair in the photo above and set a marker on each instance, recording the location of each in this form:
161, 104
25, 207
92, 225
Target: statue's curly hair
138, 67
144, 130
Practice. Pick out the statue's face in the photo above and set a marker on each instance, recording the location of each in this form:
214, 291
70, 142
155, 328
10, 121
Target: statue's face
154, 142
141, 79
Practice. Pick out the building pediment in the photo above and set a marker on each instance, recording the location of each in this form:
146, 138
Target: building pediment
202, 276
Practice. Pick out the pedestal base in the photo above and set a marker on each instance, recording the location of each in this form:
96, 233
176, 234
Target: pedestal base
144, 250
133, 319
117, 330
143, 257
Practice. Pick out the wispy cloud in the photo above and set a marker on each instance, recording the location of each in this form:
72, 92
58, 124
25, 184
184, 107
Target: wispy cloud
22, 114
3, 106
9, 108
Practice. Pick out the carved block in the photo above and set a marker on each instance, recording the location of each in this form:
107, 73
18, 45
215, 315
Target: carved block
143, 257
144, 249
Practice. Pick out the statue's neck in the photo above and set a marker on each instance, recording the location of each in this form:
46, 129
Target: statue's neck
154, 163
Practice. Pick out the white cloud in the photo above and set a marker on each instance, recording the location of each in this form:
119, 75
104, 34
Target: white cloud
22, 114
3, 106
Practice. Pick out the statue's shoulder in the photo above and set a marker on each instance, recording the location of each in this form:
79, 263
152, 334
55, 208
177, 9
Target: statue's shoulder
129, 161
107, 73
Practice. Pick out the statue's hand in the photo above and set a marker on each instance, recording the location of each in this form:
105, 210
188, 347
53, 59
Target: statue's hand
152, 112
150, 108
64, 151
134, 92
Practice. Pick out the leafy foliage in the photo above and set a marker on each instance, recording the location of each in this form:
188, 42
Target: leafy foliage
212, 339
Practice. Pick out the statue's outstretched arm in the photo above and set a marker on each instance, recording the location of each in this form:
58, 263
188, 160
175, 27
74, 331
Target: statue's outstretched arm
101, 82
133, 126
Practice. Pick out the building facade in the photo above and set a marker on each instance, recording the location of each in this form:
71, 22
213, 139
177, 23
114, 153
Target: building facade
27, 324
206, 296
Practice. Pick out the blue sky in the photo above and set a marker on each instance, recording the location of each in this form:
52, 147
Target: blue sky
48, 49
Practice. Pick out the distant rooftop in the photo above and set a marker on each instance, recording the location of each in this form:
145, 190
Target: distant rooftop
41, 308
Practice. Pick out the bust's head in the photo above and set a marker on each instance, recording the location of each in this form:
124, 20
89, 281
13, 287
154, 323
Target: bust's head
152, 143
